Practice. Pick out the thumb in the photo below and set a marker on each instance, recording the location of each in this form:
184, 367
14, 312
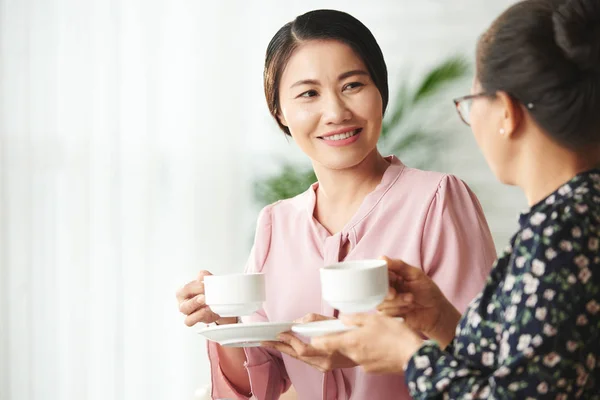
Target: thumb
401, 268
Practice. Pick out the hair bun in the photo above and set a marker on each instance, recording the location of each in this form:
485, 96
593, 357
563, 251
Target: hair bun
577, 32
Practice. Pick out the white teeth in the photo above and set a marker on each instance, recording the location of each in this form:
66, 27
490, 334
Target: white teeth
342, 136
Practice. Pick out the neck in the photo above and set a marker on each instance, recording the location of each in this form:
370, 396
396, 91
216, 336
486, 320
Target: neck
544, 171
345, 187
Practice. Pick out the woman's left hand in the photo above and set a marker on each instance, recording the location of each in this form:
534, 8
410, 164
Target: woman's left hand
296, 348
380, 344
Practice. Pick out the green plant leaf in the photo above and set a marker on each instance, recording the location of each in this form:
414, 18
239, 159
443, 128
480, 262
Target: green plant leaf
445, 73
292, 181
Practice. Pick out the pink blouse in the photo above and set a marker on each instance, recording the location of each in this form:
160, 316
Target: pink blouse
427, 219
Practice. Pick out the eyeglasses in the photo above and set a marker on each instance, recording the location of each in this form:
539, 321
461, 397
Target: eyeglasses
463, 106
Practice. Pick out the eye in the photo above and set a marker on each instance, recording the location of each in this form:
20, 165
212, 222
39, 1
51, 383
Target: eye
308, 93
353, 85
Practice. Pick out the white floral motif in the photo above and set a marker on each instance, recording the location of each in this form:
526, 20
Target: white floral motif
564, 190
582, 261
593, 244
475, 320
551, 359
550, 254
527, 234
524, 342
502, 372
581, 320
537, 218
549, 294
531, 284
442, 384
540, 313
421, 383
484, 393
572, 346
532, 300
591, 361
504, 351
511, 313
576, 232
581, 208
520, 261
538, 267
471, 349
509, 283
422, 362
548, 231
571, 279
551, 199
549, 330
565, 245
513, 386
593, 307
542, 388
537, 340
585, 275
483, 342
487, 359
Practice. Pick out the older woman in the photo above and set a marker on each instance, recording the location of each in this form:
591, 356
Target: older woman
534, 330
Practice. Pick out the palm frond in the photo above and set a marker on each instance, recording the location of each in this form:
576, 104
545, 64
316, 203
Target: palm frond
447, 72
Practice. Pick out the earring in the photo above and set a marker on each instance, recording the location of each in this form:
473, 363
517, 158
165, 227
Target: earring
502, 131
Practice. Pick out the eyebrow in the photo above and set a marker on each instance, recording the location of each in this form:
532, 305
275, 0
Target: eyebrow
343, 76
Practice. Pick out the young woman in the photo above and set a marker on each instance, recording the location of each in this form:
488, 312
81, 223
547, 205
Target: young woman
326, 86
534, 331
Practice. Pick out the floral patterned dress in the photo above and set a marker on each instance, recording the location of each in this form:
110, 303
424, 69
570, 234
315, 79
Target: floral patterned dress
534, 331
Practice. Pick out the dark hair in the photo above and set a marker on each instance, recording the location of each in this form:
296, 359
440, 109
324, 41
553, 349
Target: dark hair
322, 25
546, 55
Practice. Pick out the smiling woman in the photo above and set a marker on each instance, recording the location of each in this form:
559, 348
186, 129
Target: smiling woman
326, 86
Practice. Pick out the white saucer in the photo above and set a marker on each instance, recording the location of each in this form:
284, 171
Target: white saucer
322, 328
246, 334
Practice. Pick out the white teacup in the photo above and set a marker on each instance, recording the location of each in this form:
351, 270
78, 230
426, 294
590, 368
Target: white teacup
235, 295
355, 286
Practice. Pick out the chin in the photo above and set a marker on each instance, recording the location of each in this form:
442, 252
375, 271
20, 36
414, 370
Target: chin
504, 177
340, 160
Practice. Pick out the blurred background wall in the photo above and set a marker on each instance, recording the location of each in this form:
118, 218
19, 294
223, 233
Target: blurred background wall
132, 134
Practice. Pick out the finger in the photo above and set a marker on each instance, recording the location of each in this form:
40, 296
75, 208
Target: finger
189, 290
395, 312
284, 349
301, 348
192, 305
204, 315
202, 274
402, 269
401, 300
312, 318
391, 294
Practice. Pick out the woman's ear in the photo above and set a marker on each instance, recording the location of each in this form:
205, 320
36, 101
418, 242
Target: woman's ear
512, 114
281, 118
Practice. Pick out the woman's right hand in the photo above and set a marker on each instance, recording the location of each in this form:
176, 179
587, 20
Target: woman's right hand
192, 303
415, 297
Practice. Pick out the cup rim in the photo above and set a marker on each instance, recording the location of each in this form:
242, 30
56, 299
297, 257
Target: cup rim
234, 275
351, 265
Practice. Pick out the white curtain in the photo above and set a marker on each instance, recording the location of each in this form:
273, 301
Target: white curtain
120, 178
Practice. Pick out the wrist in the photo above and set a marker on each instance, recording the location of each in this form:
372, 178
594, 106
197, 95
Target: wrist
445, 327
